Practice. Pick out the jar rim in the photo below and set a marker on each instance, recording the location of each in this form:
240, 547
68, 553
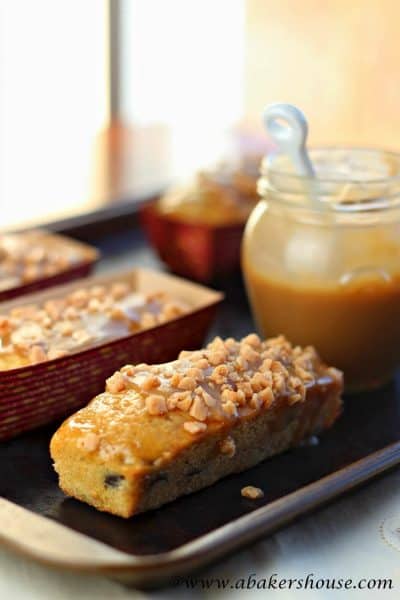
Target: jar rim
266, 167
344, 194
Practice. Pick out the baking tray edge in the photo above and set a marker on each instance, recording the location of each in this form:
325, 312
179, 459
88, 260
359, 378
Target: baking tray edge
56, 545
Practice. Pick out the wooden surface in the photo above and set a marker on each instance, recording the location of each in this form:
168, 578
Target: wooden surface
343, 540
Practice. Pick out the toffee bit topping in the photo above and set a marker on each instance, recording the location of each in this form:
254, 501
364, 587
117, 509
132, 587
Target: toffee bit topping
5, 325
202, 364
117, 314
37, 354
98, 291
94, 306
187, 383
267, 396
228, 396
81, 317
79, 298
210, 401
27, 256
175, 379
252, 340
199, 410
66, 328
228, 446
224, 380
128, 370
249, 354
230, 408
115, 383
185, 402
220, 374
119, 290
148, 320
171, 311
251, 492
217, 357
151, 382
255, 401
193, 427
156, 404
195, 373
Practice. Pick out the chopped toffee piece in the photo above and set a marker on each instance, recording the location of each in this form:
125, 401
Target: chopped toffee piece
251, 492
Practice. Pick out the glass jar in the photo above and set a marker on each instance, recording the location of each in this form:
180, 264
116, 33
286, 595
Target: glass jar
327, 272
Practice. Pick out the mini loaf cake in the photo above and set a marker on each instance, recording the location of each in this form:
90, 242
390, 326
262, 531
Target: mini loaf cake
32, 255
30, 334
205, 200
162, 431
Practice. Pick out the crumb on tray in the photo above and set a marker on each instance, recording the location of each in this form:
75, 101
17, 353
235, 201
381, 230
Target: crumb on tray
251, 492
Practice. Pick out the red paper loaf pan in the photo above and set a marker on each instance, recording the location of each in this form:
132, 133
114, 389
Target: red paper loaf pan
34, 395
199, 251
82, 268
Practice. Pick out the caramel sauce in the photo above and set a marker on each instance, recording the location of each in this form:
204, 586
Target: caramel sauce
355, 326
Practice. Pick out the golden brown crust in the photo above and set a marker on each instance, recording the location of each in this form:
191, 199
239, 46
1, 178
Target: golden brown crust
213, 412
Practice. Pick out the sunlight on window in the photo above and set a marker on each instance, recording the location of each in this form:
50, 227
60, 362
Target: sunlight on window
183, 67
53, 101
181, 91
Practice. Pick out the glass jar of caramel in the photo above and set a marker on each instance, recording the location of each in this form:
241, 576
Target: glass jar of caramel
321, 259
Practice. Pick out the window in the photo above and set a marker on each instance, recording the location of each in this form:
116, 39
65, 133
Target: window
52, 104
178, 67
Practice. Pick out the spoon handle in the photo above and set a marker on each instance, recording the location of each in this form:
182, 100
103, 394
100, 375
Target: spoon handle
288, 127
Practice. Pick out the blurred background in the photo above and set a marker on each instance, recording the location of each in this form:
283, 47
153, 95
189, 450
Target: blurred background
104, 102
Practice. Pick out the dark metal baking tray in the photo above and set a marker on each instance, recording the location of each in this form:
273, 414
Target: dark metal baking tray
196, 529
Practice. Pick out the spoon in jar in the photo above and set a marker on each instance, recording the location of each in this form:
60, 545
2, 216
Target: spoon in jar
288, 128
